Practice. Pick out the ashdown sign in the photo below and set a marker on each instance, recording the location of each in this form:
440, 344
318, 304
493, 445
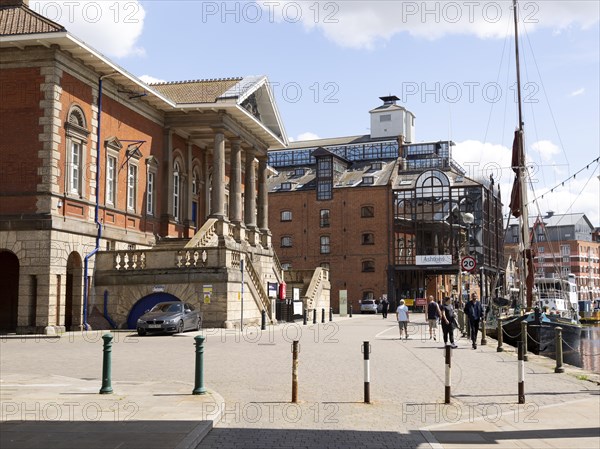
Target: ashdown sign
443, 259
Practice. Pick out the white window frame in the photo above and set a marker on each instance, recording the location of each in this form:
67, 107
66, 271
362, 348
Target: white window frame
132, 177
176, 191
150, 189
76, 139
111, 180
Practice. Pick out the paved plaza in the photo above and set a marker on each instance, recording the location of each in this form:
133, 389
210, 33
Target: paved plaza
49, 392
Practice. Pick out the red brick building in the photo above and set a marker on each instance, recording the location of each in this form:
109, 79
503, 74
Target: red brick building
142, 192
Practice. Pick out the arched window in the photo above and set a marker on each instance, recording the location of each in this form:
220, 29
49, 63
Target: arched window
77, 135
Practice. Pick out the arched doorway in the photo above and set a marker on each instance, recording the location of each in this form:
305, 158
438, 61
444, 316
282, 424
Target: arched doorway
73, 291
9, 286
146, 303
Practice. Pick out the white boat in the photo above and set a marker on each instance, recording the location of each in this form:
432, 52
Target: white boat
558, 296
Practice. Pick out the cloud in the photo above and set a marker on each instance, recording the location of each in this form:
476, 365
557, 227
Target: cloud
546, 149
150, 79
307, 136
577, 92
580, 195
367, 24
112, 27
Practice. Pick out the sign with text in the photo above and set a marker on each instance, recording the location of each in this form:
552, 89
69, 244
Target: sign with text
207, 293
468, 263
441, 259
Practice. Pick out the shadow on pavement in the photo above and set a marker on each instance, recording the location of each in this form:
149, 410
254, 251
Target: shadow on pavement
462, 437
102, 434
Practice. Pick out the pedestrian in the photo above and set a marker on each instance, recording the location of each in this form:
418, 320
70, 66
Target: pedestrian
432, 314
474, 313
385, 306
402, 317
448, 321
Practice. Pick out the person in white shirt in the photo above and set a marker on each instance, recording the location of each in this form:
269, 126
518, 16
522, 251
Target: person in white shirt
402, 317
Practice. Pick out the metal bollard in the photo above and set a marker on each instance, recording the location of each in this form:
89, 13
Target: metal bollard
559, 350
314, 316
304, 317
483, 332
448, 380
350, 310
331, 314
199, 378
295, 371
366, 350
106, 364
263, 320
524, 339
521, 376
322, 315
500, 336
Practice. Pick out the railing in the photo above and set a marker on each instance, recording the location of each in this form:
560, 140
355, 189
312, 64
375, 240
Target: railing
204, 235
130, 260
263, 299
315, 287
188, 258
278, 268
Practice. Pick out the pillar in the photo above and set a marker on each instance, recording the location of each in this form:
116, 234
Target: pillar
235, 185
250, 191
263, 197
217, 203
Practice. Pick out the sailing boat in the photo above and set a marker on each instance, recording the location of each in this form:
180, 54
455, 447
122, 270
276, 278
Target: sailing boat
540, 327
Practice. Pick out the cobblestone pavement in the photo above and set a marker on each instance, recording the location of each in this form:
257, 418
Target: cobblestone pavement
252, 372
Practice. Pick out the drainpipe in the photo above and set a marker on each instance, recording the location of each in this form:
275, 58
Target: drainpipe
86, 279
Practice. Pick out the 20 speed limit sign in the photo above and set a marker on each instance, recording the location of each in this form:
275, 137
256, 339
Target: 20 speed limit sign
468, 263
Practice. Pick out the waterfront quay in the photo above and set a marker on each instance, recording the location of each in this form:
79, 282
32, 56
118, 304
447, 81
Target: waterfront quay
49, 392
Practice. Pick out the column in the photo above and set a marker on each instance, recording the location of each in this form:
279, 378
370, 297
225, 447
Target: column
263, 204
250, 191
235, 183
217, 201
167, 175
188, 194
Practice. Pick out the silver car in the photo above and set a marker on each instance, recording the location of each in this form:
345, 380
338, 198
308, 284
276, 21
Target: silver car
171, 316
368, 305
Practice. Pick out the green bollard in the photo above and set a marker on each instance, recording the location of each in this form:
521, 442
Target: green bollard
559, 350
199, 382
106, 364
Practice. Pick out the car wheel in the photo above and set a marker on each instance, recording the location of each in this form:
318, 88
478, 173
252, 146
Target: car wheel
180, 327
141, 332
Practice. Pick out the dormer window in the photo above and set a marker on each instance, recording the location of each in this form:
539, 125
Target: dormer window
286, 186
376, 166
368, 180
299, 172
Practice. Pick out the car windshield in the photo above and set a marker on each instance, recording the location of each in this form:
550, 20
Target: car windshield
368, 301
166, 308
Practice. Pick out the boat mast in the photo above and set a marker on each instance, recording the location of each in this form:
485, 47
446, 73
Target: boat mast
521, 176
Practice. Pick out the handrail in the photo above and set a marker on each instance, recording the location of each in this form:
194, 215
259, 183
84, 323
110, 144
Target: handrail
278, 268
260, 290
204, 234
314, 288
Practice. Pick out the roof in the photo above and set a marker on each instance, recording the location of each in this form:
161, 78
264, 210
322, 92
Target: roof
332, 141
18, 19
196, 91
563, 220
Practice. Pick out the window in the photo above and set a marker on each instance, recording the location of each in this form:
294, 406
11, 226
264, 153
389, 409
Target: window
299, 172
176, 190
376, 166
286, 186
541, 259
324, 220
286, 215
368, 295
368, 180
367, 211
368, 238
286, 242
111, 179
368, 266
325, 265
75, 168
324, 190
286, 265
77, 134
195, 184
540, 249
150, 193
565, 271
385, 118
566, 259
131, 186
325, 247
565, 250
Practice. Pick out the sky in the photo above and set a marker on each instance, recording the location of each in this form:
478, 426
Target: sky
451, 63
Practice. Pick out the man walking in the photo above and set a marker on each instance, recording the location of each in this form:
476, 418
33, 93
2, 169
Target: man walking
402, 317
385, 305
432, 314
474, 313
